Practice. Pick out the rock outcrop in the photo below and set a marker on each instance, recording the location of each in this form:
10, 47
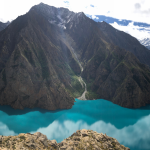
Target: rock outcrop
81, 140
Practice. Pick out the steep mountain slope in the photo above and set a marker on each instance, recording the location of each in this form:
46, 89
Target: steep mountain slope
37, 68
141, 26
111, 72
3, 25
118, 76
126, 41
42, 55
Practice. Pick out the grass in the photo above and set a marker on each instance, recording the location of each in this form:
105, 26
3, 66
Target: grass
76, 90
90, 94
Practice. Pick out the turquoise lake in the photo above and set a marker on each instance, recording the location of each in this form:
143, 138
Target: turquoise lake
131, 127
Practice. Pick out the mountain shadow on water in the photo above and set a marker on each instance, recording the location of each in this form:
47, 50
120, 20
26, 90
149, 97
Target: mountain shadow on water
10, 111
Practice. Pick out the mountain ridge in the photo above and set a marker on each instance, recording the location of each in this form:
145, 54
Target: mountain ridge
145, 42
123, 22
3, 25
42, 56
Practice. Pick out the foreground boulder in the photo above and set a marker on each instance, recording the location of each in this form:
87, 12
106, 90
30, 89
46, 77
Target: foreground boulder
82, 139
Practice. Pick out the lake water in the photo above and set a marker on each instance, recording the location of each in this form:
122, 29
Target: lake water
131, 127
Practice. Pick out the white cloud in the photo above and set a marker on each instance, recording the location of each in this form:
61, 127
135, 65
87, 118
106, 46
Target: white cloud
136, 31
115, 8
4, 130
130, 135
136, 10
94, 17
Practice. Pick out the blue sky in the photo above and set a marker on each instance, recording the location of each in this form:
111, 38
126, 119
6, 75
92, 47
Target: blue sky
135, 10
134, 30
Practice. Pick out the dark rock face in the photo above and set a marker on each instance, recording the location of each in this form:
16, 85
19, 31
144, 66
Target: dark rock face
120, 78
40, 55
37, 67
125, 41
3, 25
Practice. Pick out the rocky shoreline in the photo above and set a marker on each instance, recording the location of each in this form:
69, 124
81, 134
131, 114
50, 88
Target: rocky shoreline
80, 140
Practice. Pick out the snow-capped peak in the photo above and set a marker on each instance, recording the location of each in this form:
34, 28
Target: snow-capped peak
146, 42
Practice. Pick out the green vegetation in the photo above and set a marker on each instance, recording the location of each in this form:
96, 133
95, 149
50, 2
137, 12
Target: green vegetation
76, 90
90, 94
69, 70
22, 137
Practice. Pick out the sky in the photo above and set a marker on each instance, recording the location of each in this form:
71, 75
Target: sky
134, 30
135, 10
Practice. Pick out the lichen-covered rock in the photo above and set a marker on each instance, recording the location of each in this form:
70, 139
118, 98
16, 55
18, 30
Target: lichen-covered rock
81, 140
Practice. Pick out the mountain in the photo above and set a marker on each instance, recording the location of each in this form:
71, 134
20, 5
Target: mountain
118, 76
145, 42
3, 25
37, 66
125, 41
138, 25
44, 53
123, 22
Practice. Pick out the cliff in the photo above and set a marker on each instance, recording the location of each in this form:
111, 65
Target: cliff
82, 139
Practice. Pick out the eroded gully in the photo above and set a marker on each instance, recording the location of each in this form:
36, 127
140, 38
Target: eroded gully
82, 97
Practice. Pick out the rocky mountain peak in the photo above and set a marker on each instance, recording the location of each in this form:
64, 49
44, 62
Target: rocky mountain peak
145, 42
58, 16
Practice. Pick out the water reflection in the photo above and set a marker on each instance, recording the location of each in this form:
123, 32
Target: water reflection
136, 136
4, 130
130, 127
